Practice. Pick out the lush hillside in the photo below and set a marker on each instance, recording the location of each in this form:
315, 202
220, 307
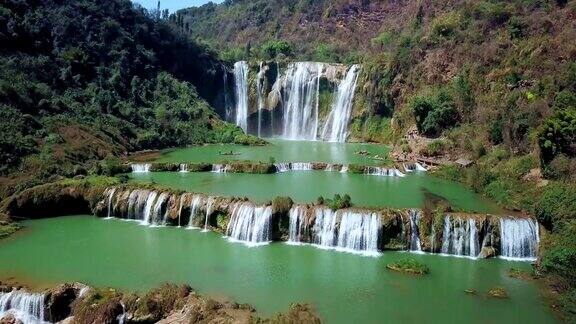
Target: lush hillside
491, 81
85, 80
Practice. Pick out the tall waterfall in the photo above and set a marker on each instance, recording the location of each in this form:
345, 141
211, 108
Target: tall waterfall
336, 126
260, 93
298, 224
25, 307
157, 214
302, 86
460, 237
140, 167
241, 94
414, 216
519, 238
250, 224
359, 232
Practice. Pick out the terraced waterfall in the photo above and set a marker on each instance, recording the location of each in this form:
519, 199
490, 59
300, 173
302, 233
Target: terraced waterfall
363, 231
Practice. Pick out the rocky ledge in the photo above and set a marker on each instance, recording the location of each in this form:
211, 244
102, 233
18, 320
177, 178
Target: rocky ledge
78, 303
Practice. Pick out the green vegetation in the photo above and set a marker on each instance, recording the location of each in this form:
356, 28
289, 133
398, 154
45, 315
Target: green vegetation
81, 81
335, 203
409, 265
498, 292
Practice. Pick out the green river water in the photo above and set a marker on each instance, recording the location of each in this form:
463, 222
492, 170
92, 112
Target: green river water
345, 288
280, 151
306, 186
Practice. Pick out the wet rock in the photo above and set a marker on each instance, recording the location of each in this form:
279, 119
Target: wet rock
9, 319
487, 252
59, 301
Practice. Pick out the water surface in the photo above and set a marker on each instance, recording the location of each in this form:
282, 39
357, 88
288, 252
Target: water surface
306, 186
280, 151
345, 288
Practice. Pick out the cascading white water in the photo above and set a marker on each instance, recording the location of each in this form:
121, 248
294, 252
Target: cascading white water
298, 224
414, 216
460, 237
157, 210
241, 94
359, 232
110, 196
282, 167
148, 207
195, 208
221, 168
329, 167
183, 168
301, 166
302, 87
324, 229
336, 126
26, 307
260, 93
140, 167
250, 224
137, 205
384, 172
209, 206
519, 238
344, 169
122, 317
414, 167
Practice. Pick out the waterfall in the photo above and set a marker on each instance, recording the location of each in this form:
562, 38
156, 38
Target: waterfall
324, 229
209, 205
140, 167
359, 232
122, 317
25, 307
259, 91
298, 224
329, 167
301, 166
414, 216
336, 126
110, 196
137, 204
183, 168
383, 172
277, 88
282, 167
460, 237
180, 207
344, 169
221, 168
302, 86
195, 206
148, 207
250, 224
157, 210
519, 238
414, 167
241, 94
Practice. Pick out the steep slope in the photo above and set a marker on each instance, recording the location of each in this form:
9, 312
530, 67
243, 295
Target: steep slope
84, 80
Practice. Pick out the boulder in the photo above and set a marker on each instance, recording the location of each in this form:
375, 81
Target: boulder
487, 252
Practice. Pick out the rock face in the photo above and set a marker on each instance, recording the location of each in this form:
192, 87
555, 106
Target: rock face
77, 303
487, 252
